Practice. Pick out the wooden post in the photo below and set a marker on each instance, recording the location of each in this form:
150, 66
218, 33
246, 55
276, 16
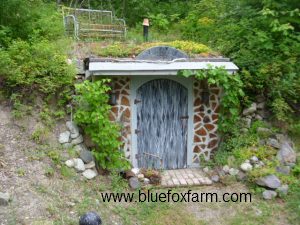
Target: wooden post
146, 29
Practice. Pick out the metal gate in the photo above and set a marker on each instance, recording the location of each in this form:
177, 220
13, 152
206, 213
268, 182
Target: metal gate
162, 121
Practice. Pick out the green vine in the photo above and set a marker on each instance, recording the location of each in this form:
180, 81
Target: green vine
231, 86
92, 114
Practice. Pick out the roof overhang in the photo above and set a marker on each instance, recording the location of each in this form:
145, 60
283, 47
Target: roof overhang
142, 68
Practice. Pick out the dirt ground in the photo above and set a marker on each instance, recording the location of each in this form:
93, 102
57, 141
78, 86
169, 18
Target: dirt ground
43, 192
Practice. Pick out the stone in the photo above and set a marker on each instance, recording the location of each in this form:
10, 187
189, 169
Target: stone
250, 110
129, 174
233, 171
254, 159
268, 194
241, 176
258, 117
77, 140
90, 165
286, 154
72, 127
246, 122
79, 165
246, 167
70, 163
261, 105
215, 178
283, 190
260, 163
90, 218
135, 170
263, 131
73, 136
247, 161
64, 137
141, 177
89, 174
4, 199
88, 141
86, 155
273, 143
270, 181
134, 183
283, 169
206, 170
146, 181
226, 169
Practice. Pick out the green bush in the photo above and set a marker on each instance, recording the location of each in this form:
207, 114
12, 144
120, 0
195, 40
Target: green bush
35, 67
92, 113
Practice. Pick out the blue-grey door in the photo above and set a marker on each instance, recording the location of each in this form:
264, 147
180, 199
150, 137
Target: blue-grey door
162, 109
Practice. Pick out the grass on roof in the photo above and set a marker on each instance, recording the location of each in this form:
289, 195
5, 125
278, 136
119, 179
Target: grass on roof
123, 49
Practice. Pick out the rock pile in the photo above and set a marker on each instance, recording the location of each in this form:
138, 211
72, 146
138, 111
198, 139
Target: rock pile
141, 178
73, 139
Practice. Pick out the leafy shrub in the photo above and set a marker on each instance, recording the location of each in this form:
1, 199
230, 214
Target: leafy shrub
92, 113
159, 21
38, 66
230, 102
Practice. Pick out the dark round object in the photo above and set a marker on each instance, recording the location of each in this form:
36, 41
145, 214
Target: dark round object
90, 218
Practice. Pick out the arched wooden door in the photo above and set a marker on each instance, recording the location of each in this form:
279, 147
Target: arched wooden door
162, 121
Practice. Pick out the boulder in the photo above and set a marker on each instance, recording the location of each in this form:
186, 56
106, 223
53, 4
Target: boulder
273, 143
283, 190
77, 140
246, 166
4, 199
270, 181
215, 178
254, 159
70, 163
88, 141
90, 165
226, 169
64, 137
86, 156
261, 105
233, 171
134, 183
241, 176
129, 174
79, 165
250, 110
89, 174
268, 194
246, 122
258, 117
263, 131
90, 218
73, 128
205, 169
141, 177
146, 181
135, 170
286, 154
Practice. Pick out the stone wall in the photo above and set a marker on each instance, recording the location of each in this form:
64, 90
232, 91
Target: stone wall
121, 112
205, 139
